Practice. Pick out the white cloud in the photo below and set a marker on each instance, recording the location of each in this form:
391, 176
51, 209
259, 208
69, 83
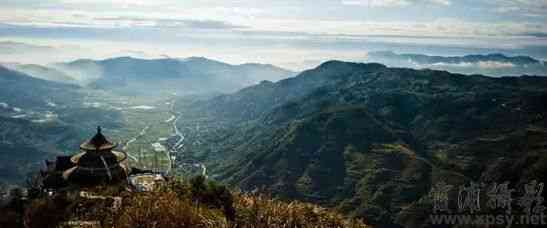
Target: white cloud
533, 8
495, 65
437, 28
266, 16
480, 64
442, 2
377, 3
170, 22
394, 3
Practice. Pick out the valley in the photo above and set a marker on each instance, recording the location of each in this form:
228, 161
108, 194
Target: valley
149, 133
132, 99
144, 128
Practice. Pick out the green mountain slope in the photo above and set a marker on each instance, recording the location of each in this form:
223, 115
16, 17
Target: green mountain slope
25, 91
40, 119
372, 140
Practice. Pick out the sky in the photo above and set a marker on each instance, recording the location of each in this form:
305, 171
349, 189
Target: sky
291, 33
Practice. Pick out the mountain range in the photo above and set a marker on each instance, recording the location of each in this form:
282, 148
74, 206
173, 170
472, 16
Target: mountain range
372, 140
185, 76
490, 64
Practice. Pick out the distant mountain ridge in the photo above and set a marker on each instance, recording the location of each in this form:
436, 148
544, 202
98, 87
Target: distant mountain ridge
194, 74
26, 91
134, 76
429, 59
495, 64
43, 72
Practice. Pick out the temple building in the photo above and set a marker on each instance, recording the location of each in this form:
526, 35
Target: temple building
98, 162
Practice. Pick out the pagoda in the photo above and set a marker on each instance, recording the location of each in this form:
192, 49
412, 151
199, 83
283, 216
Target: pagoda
97, 163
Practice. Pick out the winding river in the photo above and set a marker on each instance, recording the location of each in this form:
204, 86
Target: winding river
180, 142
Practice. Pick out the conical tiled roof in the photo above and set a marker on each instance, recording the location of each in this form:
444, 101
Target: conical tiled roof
98, 142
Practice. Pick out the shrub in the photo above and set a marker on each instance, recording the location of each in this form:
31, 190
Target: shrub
212, 195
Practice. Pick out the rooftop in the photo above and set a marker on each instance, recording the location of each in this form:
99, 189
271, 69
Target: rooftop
98, 142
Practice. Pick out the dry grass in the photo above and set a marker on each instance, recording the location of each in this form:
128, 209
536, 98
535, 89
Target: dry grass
263, 211
182, 205
166, 209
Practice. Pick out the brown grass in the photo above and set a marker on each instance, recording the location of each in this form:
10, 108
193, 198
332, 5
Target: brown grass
165, 209
262, 211
182, 205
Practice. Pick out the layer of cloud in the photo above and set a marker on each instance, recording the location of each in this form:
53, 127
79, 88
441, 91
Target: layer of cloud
170, 23
394, 3
296, 16
432, 28
480, 64
531, 8
11, 47
494, 65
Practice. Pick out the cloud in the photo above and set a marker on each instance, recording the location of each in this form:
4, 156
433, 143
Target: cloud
480, 64
86, 19
172, 23
441, 2
11, 47
276, 29
530, 8
494, 65
394, 3
293, 16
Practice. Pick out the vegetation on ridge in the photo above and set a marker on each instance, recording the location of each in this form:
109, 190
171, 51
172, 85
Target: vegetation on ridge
192, 203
